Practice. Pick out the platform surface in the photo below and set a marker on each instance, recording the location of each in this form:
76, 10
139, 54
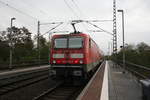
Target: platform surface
20, 70
122, 86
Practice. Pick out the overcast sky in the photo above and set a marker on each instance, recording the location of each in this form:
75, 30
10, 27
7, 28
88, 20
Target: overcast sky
28, 12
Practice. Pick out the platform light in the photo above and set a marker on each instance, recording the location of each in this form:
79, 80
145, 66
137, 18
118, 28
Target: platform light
123, 39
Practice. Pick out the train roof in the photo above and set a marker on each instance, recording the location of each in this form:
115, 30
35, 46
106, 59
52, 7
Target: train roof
71, 34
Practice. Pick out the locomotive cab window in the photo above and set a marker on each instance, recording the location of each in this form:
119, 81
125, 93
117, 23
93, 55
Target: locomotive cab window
75, 42
60, 43
68, 42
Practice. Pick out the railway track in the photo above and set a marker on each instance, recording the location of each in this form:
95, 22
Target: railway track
141, 72
60, 91
10, 84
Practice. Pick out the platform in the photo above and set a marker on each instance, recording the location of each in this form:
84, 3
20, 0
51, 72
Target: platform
122, 86
15, 72
114, 85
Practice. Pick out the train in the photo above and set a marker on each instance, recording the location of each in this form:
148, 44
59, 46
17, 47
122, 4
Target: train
74, 55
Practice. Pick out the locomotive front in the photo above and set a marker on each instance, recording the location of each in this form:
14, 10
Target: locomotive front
67, 55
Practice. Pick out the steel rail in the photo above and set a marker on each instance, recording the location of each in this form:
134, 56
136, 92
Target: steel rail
47, 91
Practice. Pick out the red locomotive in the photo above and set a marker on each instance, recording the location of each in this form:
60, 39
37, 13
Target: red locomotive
73, 55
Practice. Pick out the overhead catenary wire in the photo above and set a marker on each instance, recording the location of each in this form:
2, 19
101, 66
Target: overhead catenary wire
17, 10
99, 20
51, 23
8, 5
39, 9
52, 29
92, 20
71, 9
99, 28
66, 24
81, 13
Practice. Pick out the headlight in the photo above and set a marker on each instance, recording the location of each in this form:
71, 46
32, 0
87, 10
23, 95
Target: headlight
54, 61
81, 62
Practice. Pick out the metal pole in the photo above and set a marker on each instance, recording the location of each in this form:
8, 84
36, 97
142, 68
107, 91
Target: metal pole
38, 42
108, 48
123, 38
10, 51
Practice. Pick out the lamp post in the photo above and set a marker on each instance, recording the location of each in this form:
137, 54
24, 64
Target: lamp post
10, 51
123, 38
